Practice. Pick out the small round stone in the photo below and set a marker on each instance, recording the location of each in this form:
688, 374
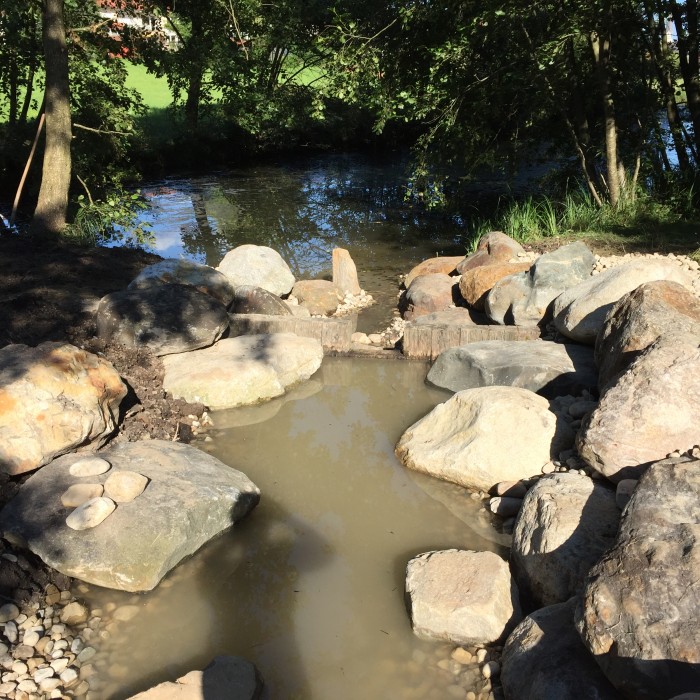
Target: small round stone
31, 638
91, 513
77, 494
73, 614
89, 466
124, 486
8, 612
490, 669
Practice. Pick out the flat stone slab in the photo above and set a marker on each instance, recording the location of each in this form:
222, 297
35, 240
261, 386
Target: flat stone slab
190, 498
550, 369
242, 371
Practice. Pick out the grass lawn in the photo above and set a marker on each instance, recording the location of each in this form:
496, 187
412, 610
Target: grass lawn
154, 90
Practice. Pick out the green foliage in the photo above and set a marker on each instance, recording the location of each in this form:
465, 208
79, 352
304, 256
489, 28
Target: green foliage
112, 220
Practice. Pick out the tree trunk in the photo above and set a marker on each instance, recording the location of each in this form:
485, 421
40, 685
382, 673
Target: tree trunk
194, 95
600, 45
50, 214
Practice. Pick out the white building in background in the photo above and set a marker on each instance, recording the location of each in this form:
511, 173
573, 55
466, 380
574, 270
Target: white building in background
108, 9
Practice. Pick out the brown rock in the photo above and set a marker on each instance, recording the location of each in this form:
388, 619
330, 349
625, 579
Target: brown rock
432, 266
345, 272
638, 319
124, 486
320, 297
478, 282
53, 398
428, 294
495, 247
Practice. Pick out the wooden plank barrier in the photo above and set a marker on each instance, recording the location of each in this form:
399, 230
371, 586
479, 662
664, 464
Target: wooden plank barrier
427, 341
335, 334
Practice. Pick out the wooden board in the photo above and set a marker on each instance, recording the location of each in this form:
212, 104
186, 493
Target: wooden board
335, 334
427, 341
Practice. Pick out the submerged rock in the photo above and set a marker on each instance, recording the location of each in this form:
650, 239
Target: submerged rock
191, 498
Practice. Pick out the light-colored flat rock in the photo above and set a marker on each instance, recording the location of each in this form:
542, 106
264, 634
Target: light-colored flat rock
77, 494
243, 370
482, 436
461, 597
258, 266
191, 497
124, 486
91, 513
89, 466
53, 398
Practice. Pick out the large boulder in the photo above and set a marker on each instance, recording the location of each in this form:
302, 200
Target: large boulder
345, 272
494, 248
256, 300
203, 278
638, 319
551, 369
650, 411
432, 266
54, 398
579, 312
242, 371
640, 615
475, 284
564, 526
190, 498
482, 436
165, 318
225, 678
525, 298
320, 297
428, 294
545, 659
259, 266
461, 597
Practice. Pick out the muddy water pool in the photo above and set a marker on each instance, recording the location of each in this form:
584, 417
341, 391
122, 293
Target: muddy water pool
310, 585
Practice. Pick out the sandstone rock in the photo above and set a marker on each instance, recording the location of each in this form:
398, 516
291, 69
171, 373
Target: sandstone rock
242, 371
77, 494
91, 513
485, 435
345, 272
525, 298
226, 678
429, 293
494, 248
74, 613
565, 524
455, 316
125, 486
432, 266
89, 466
256, 300
650, 411
165, 318
203, 278
258, 266
476, 283
640, 614
191, 498
638, 319
320, 297
579, 312
461, 597
53, 399
551, 369
544, 659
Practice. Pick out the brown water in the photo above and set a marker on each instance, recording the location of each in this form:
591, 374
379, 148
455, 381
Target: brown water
310, 586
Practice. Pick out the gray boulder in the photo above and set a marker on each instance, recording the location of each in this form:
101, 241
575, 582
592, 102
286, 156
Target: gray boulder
650, 411
461, 597
566, 523
640, 615
428, 294
242, 371
258, 266
203, 278
544, 659
165, 318
225, 678
638, 319
256, 300
494, 248
525, 298
190, 498
53, 399
482, 436
579, 312
550, 369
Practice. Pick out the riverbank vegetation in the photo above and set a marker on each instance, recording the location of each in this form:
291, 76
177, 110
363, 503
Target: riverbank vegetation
605, 96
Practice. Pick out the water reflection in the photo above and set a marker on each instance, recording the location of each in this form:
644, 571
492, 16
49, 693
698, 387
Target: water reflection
310, 586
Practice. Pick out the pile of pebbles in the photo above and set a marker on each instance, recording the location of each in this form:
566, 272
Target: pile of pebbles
46, 649
352, 303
